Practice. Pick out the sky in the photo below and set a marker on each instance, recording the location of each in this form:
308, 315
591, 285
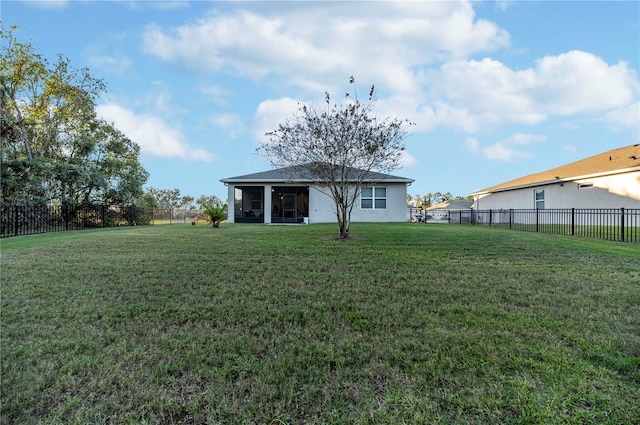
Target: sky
497, 90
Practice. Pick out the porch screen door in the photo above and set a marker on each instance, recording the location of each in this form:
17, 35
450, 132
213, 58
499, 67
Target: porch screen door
290, 206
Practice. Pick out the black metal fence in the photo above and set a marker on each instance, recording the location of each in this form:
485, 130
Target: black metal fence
614, 224
26, 220
29, 220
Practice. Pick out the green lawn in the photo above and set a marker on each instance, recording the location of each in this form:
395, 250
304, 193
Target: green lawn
410, 323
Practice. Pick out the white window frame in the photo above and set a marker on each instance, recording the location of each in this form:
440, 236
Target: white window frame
538, 200
374, 198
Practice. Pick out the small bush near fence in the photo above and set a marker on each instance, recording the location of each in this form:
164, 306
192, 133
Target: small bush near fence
615, 224
27, 220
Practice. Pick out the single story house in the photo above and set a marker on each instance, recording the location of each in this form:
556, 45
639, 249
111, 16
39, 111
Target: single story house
607, 180
293, 195
441, 210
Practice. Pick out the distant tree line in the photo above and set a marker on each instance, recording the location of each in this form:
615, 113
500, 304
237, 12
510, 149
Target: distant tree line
431, 199
172, 198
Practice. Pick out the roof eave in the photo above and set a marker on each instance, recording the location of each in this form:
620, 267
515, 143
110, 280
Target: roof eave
560, 180
307, 181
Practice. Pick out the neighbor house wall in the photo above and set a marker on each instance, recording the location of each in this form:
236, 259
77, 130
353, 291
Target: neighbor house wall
616, 191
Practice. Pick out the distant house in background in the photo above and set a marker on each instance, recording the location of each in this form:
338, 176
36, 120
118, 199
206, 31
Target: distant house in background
442, 210
608, 180
413, 213
291, 195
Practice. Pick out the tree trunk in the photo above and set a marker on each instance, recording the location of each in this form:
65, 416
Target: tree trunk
23, 131
343, 221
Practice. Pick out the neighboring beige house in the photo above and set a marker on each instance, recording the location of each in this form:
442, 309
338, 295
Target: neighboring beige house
608, 180
291, 195
442, 210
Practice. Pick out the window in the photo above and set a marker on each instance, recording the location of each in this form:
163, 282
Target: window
372, 197
539, 199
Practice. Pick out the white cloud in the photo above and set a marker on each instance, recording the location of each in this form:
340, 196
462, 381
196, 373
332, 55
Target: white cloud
486, 90
159, 4
117, 65
313, 40
472, 145
507, 150
407, 160
626, 120
229, 122
48, 4
271, 113
314, 47
577, 82
503, 5
488, 93
155, 137
218, 93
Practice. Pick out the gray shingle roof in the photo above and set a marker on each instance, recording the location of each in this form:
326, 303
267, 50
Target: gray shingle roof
302, 174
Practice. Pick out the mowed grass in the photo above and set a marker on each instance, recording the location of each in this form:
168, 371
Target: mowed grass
410, 323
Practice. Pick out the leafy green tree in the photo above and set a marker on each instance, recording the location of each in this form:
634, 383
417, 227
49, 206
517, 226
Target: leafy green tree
339, 145
427, 200
54, 147
166, 198
149, 201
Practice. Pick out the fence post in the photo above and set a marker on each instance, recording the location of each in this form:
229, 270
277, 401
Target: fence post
490, 216
15, 220
537, 219
510, 218
573, 221
622, 224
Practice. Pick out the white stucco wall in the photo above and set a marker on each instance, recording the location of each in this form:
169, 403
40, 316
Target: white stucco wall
617, 191
322, 208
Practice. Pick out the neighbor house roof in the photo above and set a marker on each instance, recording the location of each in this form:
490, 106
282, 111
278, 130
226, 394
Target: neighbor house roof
616, 161
303, 174
452, 204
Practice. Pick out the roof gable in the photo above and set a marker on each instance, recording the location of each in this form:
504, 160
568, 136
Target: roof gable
615, 161
302, 174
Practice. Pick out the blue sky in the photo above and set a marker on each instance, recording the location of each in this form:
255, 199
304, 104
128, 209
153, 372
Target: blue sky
497, 90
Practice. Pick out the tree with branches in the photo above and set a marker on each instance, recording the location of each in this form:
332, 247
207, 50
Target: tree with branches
340, 145
53, 146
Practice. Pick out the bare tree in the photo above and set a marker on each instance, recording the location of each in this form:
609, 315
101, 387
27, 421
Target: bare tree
340, 145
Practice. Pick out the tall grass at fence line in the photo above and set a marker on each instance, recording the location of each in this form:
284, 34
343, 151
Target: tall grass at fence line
405, 323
